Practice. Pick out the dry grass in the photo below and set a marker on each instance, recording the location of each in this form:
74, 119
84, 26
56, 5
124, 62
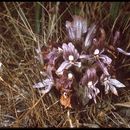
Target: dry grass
20, 104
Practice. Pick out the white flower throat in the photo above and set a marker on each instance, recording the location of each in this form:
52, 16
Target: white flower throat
71, 57
70, 75
96, 52
90, 83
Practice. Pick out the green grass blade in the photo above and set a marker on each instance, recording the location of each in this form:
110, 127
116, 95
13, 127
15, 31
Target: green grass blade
114, 10
37, 17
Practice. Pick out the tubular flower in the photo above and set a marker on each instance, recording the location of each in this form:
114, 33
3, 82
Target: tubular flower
53, 55
70, 56
89, 81
76, 28
45, 85
111, 84
65, 81
90, 63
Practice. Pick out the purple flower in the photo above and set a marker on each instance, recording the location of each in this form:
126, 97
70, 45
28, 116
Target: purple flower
123, 52
46, 85
64, 83
70, 56
111, 84
102, 60
90, 36
53, 55
102, 65
89, 81
76, 28
116, 38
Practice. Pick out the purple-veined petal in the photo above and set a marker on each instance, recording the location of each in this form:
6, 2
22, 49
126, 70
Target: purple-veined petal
105, 59
94, 100
63, 66
68, 24
88, 39
113, 90
123, 52
116, 37
116, 83
101, 51
37, 58
76, 54
107, 87
70, 45
71, 48
45, 84
49, 71
90, 77
70, 30
64, 47
46, 90
102, 79
96, 90
103, 67
38, 85
92, 92
78, 64
78, 28
87, 57
95, 82
84, 26
38, 51
89, 96
52, 56
65, 50
60, 50
71, 33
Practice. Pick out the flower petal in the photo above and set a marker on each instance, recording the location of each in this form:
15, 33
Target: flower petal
65, 51
97, 91
71, 48
45, 84
78, 28
64, 65
116, 38
107, 87
89, 96
87, 57
105, 59
123, 52
113, 90
84, 26
70, 30
116, 83
38, 85
88, 39
52, 56
103, 67
78, 64
76, 54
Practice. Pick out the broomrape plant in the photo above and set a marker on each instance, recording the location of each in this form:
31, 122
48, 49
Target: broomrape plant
80, 66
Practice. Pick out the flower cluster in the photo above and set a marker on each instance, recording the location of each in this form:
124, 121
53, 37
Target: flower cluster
85, 67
